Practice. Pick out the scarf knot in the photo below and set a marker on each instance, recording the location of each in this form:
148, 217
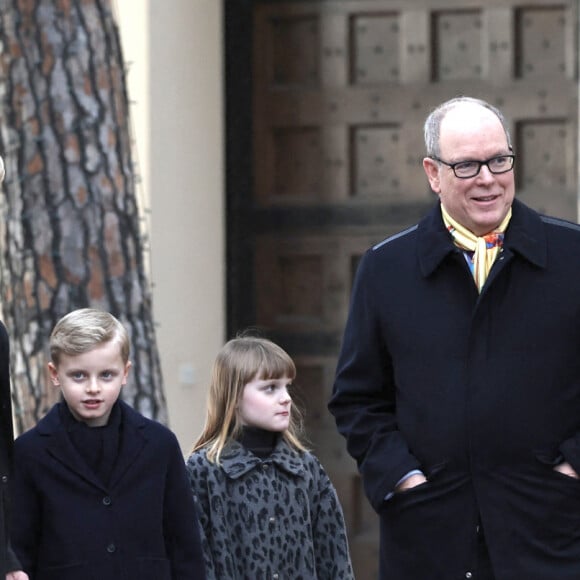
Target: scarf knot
481, 251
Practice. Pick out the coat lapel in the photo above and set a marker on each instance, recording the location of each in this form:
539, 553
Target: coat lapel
132, 442
61, 448
434, 242
525, 236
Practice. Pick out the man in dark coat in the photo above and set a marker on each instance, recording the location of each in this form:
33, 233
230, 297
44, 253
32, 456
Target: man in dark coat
9, 564
458, 381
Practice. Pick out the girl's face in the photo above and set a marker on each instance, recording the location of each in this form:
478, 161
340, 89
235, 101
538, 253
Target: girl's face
265, 403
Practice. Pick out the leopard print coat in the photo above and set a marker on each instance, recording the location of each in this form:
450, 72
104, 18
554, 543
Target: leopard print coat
275, 519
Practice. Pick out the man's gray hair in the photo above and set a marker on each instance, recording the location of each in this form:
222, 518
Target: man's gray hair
432, 128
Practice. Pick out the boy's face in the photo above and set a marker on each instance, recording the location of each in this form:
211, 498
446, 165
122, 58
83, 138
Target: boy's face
91, 382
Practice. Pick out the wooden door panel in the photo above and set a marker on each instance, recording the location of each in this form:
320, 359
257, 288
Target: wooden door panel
340, 93
543, 39
458, 36
375, 44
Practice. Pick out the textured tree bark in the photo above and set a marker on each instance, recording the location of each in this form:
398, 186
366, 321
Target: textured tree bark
70, 232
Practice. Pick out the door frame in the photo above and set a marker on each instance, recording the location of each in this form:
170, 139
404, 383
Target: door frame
239, 161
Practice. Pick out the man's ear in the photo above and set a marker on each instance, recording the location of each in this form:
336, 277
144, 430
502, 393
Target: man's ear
53, 371
431, 168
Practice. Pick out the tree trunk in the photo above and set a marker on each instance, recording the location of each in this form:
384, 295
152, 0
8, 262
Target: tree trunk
71, 233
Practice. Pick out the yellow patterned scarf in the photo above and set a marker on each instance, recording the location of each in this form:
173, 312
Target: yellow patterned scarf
485, 248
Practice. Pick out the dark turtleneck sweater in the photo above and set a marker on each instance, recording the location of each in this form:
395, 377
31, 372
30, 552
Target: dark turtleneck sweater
98, 446
259, 441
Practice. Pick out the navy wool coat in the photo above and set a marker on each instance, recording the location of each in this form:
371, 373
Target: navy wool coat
7, 560
70, 526
479, 391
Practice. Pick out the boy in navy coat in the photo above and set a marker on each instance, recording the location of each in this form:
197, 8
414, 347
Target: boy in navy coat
101, 492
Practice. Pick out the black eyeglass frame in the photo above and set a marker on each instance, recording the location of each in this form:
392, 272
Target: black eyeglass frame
480, 164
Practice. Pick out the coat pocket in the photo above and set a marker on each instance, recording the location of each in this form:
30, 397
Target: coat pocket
68, 572
154, 569
431, 473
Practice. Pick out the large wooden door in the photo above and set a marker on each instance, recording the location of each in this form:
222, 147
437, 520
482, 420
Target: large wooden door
324, 159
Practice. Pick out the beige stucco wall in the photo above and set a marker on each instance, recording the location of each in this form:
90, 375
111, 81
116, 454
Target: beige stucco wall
173, 49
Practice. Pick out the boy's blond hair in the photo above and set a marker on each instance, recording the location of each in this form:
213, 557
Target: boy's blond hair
82, 330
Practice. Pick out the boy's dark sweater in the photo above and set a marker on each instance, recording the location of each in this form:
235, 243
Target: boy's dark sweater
98, 446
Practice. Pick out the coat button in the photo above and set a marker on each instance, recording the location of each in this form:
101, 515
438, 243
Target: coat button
275, 576
111, 548
107, 500
4, 479
468, 575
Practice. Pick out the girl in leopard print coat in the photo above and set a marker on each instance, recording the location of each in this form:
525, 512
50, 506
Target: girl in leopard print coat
267, 508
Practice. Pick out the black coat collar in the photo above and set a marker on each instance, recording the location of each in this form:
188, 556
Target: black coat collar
525, 236
133, 440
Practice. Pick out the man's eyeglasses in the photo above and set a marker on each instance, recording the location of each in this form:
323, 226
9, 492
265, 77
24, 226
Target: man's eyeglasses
471, 168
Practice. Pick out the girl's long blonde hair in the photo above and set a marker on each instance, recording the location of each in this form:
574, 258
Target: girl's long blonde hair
240, 361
